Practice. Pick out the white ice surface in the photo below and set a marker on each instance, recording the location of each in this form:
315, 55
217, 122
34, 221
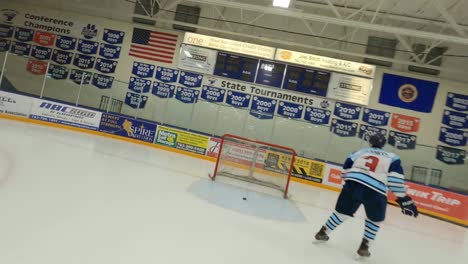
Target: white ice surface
72, 198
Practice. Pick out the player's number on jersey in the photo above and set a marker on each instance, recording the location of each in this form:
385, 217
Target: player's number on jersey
371, 163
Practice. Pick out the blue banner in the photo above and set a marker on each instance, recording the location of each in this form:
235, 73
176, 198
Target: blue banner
213, 94
166, 74
454, 119
139, 85
102, 81
366, 131
105, 66
187, 95
83, 61
408, 93
453, 137
270, 73
77, 76
135, 100
401, 140
4, 45
450, 156
113, 36
6, 31
190, 79
263, 108
317, 116
24, 34
41, 53
65, 42
163, 90
62, 57
457, 101
109, 51
87, 46
127, 127
20, 48
58, 72
238, 99
347, 111
375, 117
343, 128
143, 70
290, 110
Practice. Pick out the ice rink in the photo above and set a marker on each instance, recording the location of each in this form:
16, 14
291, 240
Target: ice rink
72, 198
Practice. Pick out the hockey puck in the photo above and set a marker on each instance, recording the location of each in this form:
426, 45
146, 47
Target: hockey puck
244, 198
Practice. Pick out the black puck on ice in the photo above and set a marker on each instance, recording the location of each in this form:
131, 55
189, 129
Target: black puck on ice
244, 198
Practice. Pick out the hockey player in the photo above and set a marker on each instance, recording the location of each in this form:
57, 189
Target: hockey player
368, 173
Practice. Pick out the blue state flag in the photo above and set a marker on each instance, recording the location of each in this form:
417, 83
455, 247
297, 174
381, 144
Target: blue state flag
408, 93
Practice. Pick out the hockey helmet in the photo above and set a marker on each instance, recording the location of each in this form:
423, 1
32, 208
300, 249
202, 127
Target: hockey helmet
377, 140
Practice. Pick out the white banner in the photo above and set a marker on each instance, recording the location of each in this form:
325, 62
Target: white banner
197, 59
14, 104
65, 114
320, 62
349, 88
332, 176
230, 45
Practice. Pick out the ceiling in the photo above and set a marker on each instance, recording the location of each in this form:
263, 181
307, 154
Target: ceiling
336, 28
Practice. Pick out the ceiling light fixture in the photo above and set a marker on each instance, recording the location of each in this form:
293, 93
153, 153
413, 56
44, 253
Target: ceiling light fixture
281, 3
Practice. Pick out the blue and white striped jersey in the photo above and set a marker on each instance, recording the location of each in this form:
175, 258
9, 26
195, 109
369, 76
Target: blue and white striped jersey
377, 169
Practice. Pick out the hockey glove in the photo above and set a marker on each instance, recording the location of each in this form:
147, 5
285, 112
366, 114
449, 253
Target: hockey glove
407, 206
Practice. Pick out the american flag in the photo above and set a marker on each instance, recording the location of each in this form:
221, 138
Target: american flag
153, 45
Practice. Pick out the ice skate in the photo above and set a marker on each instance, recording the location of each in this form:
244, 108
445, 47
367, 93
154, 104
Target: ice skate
363, 250
322, 235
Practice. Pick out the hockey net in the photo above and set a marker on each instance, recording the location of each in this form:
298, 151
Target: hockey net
256, 162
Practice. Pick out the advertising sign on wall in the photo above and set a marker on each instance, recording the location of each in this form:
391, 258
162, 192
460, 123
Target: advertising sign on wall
15, 104
349, 88
182, 140
197, 59
127, 127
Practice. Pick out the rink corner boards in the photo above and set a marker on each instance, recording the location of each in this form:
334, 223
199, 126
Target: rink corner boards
463, 223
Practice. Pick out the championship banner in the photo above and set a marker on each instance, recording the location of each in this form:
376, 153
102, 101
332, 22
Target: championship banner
187, 95
375, 117
166, 75
317, 116
109, 51
349, 88
36, 67
197, 59
366, 131
113, 36
347, 111
65, 42
65, 114
139, 85
309, 170
87, 46
453, 137
105, 66
41, 53
290, 110
263, 108
213, 94
6, 31
454, 119
135, 100
457, 102
408, 93
182, 140
62, 57
4, 45
163, 90
190, 79
80, 77
15, 104
83, 61
20, 48
102, 81
24, 34
401, 140
143, 70
405, 123
127, 127
451, 156
44, 38
58, 72
343, 128
238, 99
